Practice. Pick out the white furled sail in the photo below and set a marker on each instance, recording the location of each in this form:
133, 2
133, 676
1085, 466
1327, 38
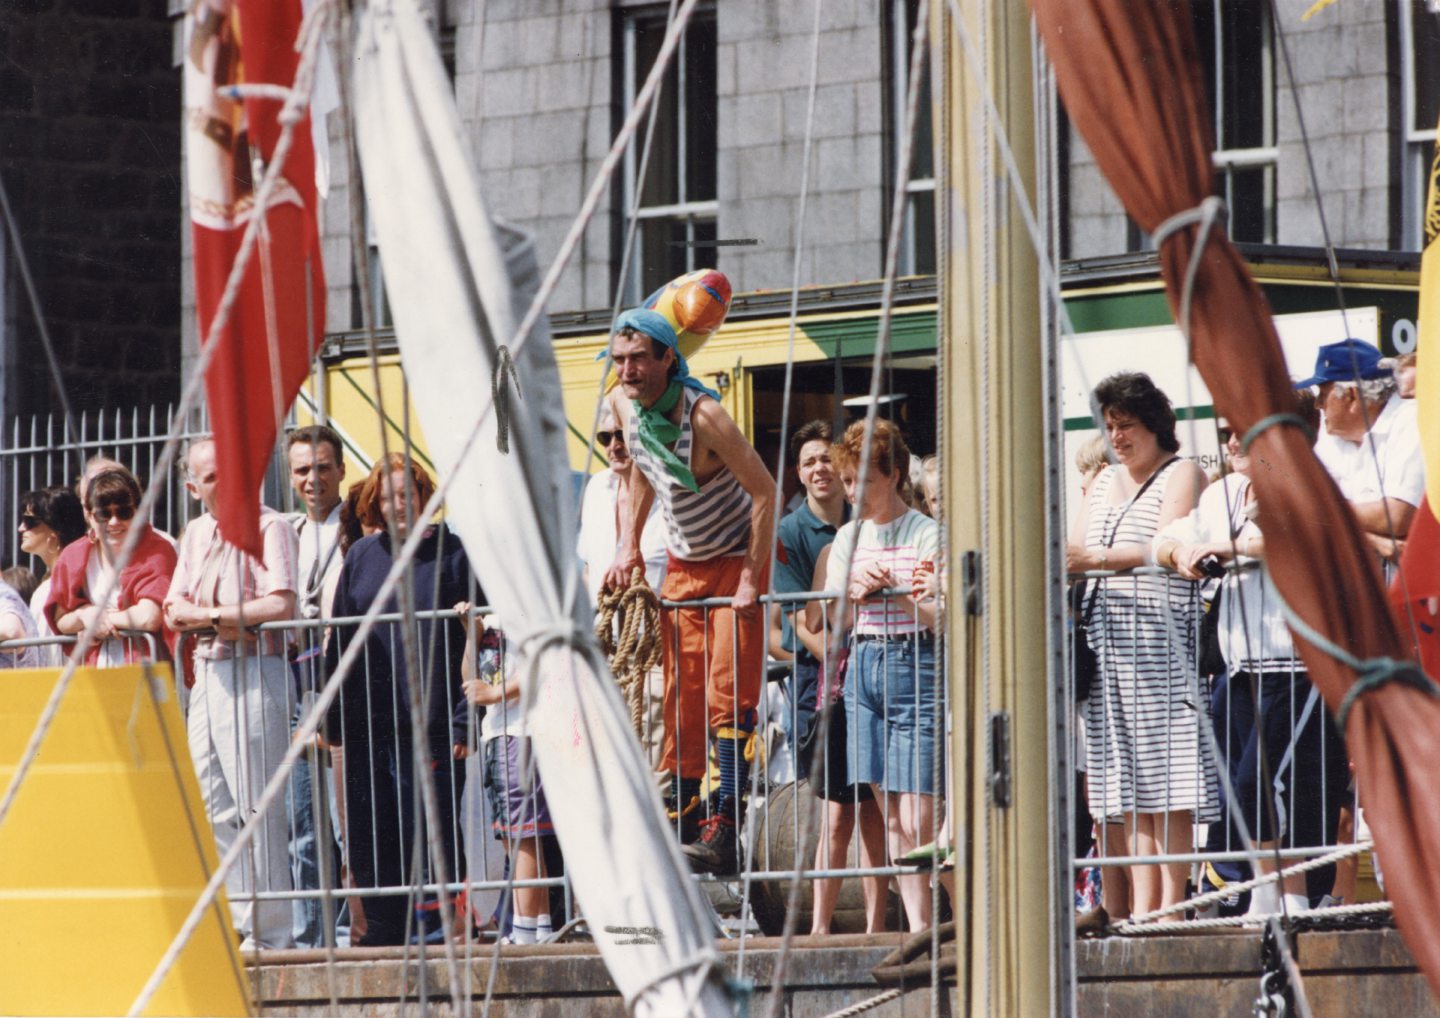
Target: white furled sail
458, 286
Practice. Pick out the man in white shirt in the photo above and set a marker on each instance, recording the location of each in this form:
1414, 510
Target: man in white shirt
600, 535
317, 469
240, 704
1372, 442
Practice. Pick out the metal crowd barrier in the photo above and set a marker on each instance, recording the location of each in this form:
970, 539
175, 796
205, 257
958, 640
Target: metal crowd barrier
325, 895
1243, 760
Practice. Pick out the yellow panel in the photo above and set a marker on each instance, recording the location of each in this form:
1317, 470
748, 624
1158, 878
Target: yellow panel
104, 853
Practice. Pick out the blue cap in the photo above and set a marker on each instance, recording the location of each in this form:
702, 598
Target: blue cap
1349, 360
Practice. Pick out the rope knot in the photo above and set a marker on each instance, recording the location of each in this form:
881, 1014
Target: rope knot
1377, 672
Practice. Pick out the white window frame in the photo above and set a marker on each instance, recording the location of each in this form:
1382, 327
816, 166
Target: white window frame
898, 88
1418, 146
687, 211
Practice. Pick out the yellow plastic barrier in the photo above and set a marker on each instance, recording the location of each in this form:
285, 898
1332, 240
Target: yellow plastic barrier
104, 853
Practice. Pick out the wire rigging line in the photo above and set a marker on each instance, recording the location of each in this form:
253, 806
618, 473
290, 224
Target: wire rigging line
57, 377
808, 814
1333, 266
406, 554
420, 764
189, 397
880, 356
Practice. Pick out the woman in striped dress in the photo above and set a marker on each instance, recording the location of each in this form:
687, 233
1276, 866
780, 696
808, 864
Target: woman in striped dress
1146, 762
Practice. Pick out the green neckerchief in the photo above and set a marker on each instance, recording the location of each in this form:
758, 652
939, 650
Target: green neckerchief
657, 432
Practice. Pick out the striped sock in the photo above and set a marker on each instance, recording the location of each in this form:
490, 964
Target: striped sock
524, 929
543, 930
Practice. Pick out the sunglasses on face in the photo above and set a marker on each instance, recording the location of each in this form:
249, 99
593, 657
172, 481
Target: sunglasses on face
120, 512
30, 522
604, 437
1225, 434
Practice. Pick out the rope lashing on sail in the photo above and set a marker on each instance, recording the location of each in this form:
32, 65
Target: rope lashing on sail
1270, 421
500, 393
1369, 674
1208, 214
634, 613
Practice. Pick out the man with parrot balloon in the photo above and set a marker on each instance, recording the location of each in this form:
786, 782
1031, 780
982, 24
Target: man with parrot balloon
717, 501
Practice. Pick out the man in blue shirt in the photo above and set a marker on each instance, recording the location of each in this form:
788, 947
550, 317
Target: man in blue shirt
803, 534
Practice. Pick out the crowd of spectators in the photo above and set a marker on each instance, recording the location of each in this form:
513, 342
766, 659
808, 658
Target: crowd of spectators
1208, 627
685, 505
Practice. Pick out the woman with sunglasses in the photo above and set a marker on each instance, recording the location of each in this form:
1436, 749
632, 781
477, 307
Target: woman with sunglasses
86, 569
50, 519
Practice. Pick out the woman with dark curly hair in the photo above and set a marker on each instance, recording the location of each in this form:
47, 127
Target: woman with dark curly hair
1146, 766
50, 519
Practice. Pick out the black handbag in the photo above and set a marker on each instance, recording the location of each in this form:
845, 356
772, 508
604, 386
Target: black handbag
1083, 661
1211, 661
1082, 656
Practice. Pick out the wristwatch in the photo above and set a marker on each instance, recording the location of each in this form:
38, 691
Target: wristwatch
215, 618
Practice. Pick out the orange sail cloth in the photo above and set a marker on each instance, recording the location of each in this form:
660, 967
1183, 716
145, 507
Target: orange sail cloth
1131, 84
264, 351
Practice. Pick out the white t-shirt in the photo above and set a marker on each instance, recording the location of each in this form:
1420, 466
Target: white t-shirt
900, 545
1395, 440
112, 651
318, 567
600, 534
1254, 635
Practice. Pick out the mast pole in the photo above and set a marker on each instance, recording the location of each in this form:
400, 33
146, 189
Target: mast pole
1010, 956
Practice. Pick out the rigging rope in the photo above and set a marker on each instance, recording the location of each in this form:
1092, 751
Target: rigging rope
879, 358
307, 729
635, 614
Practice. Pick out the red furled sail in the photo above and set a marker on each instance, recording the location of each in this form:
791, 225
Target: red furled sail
1131, 84
263, 352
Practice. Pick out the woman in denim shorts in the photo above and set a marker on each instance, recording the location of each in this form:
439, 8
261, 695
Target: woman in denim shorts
893, 706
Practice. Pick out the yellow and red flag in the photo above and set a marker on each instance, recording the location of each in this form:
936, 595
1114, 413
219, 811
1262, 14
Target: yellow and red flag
264, 351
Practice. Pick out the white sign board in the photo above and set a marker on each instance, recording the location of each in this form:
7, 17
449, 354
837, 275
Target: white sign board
1159, 351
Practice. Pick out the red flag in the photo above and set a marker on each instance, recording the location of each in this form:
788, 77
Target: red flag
264, 351
1419, 584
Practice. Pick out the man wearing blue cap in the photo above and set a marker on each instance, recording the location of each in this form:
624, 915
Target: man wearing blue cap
1373, 439
717, 501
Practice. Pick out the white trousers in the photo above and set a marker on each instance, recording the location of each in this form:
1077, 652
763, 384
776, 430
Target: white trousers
238, 729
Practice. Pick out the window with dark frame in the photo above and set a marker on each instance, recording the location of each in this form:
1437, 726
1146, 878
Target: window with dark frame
917, 242
1235, 41
676, 207
1420, 109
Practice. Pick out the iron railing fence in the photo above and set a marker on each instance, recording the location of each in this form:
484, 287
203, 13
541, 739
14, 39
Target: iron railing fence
41, 453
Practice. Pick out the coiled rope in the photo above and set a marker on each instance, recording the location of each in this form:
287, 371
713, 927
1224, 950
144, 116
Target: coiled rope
633, 613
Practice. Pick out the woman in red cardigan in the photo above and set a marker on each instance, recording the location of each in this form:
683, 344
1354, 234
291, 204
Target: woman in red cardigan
87, 566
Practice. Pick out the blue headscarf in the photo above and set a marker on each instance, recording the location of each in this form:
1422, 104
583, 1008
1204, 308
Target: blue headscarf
659, 328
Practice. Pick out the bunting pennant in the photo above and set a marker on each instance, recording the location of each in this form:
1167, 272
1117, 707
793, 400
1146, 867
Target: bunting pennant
264, 351
1427, 352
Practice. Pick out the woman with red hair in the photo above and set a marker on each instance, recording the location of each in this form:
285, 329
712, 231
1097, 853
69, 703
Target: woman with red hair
371, 717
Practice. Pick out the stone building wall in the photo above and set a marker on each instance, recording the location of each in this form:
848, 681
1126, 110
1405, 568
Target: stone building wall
90, 156
1346, 78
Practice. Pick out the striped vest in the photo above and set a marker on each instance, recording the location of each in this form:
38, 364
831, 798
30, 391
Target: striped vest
710, 523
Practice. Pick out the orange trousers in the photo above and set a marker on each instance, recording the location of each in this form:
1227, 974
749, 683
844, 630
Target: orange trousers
714, 660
